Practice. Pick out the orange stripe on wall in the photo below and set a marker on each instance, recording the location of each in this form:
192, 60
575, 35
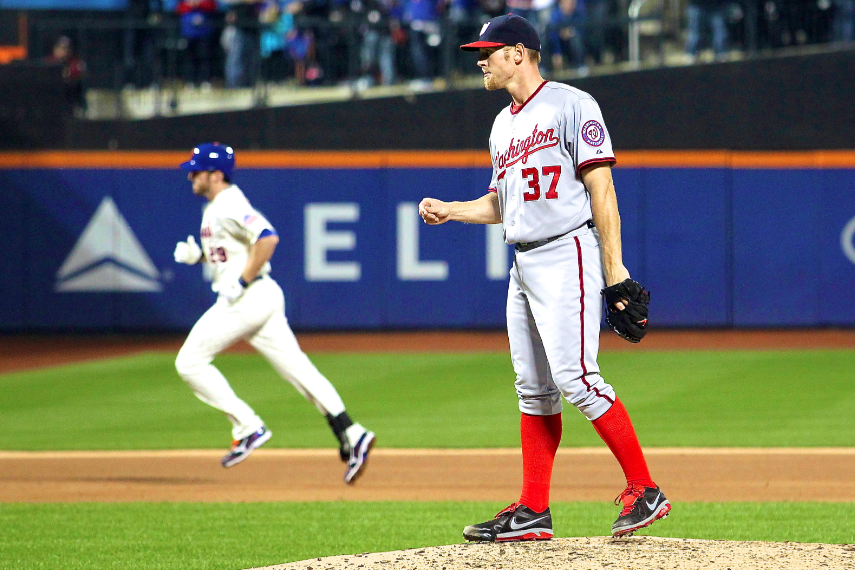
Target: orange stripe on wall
736, 159
249, 159
423, 159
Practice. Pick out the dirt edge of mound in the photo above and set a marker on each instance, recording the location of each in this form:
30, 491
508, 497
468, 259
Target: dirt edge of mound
596, 553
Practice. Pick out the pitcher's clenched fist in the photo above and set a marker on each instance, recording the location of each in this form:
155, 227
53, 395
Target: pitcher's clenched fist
484, 210
434, 211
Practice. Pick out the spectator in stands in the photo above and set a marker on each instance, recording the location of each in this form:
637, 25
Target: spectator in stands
794, 22
246, 39
301, 51
543, 14
769, 26
597, 14
422, 19
492, 8
522, 8
465, 18
283, 41
197, 29
139, 39
787, 22
377, 22
230, 41
702, 14
73, 71
276, 23
464, 12
566, 34
844, 21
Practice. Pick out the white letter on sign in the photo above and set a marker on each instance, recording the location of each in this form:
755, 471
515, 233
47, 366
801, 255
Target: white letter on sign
409, 266
846, 240
319, 240
497, 253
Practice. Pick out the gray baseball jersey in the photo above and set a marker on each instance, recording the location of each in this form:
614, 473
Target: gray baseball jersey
538, 149
554, 306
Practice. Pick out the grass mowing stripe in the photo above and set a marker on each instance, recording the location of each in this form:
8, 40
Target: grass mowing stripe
213, 536
676, 399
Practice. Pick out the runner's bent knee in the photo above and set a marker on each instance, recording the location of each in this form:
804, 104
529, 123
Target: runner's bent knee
189, 362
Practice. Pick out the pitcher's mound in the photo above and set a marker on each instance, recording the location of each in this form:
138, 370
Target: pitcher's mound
636, 553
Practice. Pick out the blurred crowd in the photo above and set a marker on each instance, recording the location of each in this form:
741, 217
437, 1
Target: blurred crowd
722, 25
237, 43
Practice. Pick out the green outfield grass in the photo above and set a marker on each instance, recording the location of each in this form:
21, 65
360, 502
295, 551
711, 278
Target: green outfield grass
197, 536
740, 398
744, 398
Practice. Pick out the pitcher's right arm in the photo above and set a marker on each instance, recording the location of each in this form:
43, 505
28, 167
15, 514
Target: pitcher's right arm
484, 210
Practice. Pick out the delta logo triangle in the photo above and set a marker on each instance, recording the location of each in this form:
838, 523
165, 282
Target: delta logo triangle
108, 257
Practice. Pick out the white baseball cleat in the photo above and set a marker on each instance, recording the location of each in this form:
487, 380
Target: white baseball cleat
359, 457
241, 448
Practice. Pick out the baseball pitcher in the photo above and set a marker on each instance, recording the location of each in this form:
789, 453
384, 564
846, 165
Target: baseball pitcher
552, 191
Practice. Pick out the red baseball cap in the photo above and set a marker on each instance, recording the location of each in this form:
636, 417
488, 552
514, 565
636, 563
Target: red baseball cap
507, 30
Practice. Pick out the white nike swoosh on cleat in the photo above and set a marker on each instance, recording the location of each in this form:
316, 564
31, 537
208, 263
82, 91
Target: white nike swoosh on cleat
653, 504
517, 526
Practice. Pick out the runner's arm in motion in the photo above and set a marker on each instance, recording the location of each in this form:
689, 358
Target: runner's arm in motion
259, 253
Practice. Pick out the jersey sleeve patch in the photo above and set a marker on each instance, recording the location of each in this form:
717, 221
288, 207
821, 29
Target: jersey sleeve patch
593, 133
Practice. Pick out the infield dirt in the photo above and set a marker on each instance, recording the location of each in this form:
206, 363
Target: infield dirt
581, 474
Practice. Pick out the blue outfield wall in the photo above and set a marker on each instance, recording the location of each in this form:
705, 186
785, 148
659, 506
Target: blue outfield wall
717, 247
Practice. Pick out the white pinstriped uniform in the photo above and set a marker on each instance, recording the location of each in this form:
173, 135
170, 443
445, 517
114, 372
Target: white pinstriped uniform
554, 304
230, 226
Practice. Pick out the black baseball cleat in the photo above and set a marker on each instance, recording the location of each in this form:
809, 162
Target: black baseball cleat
642, 506
516, 522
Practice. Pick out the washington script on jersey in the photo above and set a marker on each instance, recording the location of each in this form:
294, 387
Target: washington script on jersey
521, 150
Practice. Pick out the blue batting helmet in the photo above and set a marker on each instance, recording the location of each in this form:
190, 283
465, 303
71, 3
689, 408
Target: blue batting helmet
210, 157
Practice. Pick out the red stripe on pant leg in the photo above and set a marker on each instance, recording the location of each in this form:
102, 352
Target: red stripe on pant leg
582, 320
582, 311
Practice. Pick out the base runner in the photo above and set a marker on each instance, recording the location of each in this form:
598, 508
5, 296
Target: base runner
238, 242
